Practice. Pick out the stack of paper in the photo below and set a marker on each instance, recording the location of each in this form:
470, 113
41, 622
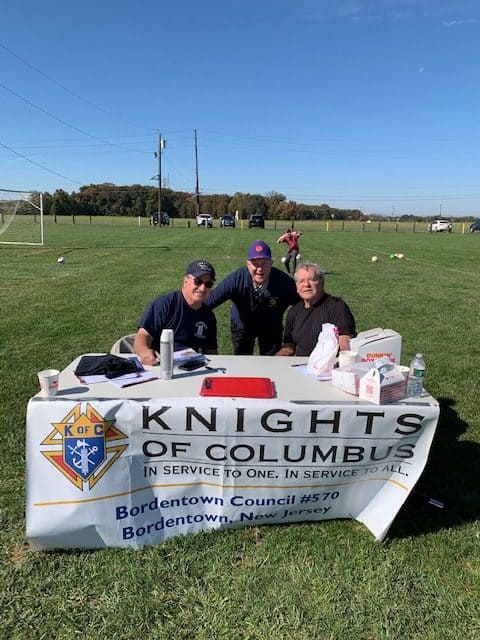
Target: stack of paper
188, 355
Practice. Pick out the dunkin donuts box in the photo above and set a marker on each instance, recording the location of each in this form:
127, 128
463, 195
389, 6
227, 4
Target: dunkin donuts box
377, 343
347, 378
383, 384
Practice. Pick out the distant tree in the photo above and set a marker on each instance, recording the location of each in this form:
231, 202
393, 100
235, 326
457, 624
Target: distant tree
216, 204
258, 205
139, 208
61, 204
108, 199
47, 202
246, 204
287, 210
239, 202
305, 212
273, 199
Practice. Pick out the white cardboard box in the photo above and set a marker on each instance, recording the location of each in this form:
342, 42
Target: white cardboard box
383, 385
347, 378
377, 343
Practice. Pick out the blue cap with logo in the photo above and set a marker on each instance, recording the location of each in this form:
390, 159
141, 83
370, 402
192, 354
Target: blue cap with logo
259, 249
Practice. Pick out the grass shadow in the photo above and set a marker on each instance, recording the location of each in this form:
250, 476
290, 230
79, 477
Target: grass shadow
451, 477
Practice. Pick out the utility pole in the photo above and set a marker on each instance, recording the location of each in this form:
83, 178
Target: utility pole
161, 146
197, 193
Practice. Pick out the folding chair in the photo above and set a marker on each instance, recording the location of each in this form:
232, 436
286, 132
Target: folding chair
124, 345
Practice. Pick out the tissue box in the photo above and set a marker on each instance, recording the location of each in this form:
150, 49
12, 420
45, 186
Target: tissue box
383, 385
347, 378
377, 343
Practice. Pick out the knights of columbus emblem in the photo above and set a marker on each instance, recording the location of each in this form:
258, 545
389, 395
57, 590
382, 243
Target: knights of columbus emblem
89, 446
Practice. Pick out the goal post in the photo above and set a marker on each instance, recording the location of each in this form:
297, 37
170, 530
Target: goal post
21, 217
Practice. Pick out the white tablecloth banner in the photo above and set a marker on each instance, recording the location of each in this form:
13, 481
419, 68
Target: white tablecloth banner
131, 473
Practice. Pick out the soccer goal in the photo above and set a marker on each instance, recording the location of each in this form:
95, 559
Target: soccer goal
21, 217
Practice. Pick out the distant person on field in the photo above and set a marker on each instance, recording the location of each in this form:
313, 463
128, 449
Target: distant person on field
291, 239
304, 320
194, 325
260, 294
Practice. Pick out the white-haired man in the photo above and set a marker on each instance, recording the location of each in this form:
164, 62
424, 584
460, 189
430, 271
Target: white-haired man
305, 319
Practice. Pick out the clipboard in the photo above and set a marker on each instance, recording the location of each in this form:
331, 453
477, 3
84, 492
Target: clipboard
238, 387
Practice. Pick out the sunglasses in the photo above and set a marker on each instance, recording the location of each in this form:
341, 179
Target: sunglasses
198, 282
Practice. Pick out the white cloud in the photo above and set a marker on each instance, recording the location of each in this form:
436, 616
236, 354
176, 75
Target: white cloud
456, 23
392, 11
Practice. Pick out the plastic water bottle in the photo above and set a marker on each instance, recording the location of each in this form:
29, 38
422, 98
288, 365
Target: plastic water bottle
416, 376
166, 354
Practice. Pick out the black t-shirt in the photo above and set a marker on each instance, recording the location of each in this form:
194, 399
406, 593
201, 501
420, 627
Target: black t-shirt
303, 325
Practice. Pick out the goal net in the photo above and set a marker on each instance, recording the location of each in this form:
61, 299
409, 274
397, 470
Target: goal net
21, 217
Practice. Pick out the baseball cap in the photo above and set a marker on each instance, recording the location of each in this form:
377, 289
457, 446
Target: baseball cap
199, 268
259, 249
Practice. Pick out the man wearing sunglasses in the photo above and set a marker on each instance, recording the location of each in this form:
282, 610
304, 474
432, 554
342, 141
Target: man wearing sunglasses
194, 324
260, 294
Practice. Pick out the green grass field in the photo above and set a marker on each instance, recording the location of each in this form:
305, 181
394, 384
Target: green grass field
329, 580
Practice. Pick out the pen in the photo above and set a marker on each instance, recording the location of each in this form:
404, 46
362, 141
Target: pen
298, 365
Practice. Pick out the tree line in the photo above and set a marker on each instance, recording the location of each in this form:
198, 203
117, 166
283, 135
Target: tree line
138, 200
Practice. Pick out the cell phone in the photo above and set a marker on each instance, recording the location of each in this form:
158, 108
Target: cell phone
192, 365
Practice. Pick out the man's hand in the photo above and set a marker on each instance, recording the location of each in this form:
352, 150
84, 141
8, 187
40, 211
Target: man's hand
149, 357
286, 350
142, 346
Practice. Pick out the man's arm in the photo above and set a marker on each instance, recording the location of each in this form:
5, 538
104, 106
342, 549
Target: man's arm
221, 293
288, 346
342, 317
286, 350
344, 342
143, 347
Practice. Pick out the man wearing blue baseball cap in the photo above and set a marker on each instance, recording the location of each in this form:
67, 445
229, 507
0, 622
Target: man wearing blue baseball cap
194, 324
260, 294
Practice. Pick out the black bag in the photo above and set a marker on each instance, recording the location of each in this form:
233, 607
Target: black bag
108, 365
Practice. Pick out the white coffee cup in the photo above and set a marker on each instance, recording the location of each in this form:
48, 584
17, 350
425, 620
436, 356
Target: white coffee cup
347, 357
48, 379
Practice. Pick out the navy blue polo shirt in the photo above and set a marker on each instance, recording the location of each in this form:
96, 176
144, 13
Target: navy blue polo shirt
196, 328
255, 311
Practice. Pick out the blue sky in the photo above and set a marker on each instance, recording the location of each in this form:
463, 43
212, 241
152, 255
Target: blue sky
353, 103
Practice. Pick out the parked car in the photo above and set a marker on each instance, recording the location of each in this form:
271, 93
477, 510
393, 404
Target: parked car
256, 220
440, 225
475, 226
163, 218
227, 220
204, 219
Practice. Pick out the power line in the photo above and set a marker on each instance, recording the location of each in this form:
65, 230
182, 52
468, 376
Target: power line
69, 91
37, 164
67, 124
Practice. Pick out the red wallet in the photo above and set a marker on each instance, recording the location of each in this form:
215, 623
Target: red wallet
238, 387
